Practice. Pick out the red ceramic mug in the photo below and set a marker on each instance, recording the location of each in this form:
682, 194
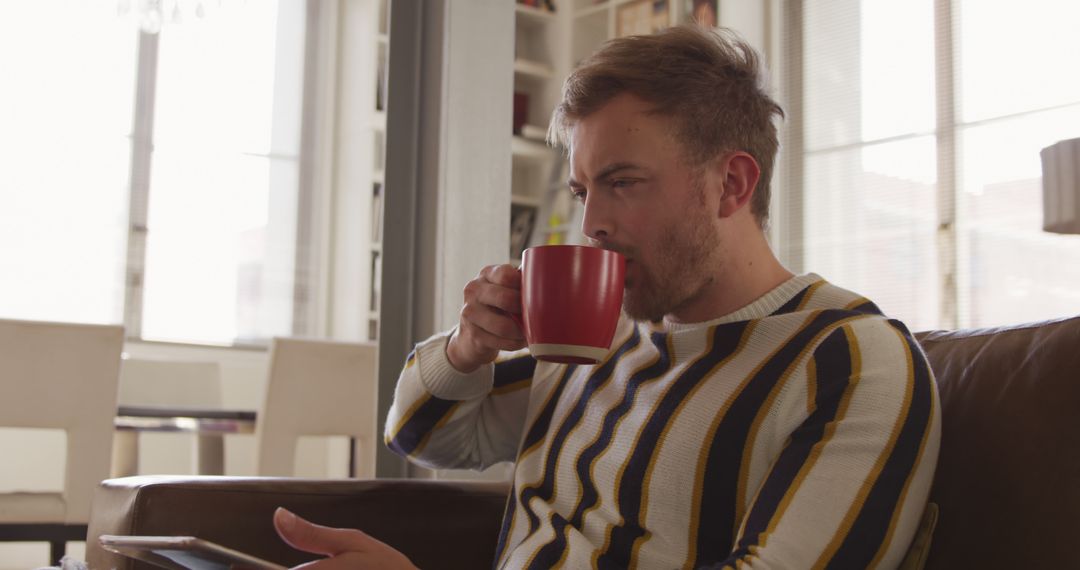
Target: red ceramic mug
571, 297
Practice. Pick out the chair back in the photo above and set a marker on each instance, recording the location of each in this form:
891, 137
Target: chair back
1008, 476
64, 376
317, 388
172, 384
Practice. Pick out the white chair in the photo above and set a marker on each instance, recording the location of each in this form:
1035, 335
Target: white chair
168, 384
60, 376
317, 388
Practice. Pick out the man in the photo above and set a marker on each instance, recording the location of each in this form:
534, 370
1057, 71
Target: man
744, 417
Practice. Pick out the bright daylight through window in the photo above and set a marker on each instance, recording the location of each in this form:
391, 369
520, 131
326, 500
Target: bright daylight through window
216, 182
922, 178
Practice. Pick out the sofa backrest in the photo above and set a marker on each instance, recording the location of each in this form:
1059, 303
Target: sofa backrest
1008, 477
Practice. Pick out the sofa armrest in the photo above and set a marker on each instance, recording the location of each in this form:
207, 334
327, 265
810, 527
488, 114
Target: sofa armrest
435, 523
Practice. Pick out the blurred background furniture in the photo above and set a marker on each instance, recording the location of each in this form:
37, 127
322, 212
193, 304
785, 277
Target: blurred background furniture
167, 387
1006, 483
318, 388
440, 524
58, 376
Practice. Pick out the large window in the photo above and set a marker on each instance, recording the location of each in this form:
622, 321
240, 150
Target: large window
150, 177
919, 155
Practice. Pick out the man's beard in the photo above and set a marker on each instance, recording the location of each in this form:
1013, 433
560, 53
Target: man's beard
680, 267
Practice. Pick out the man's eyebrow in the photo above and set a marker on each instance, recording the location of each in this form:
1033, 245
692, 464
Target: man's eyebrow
606, 172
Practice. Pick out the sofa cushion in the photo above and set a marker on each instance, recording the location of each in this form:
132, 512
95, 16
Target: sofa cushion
1008, 476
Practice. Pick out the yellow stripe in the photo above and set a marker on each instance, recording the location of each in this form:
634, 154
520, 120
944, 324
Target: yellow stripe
699, 478
811, 386
597, 366
818, 448
622, 469
851, 306
759, 418
555, 480
810, 293
743, 341
409, 363
868, 483
918, 461
407, 416
442, 422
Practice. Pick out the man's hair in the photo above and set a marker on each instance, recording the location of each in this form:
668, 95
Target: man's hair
710, 83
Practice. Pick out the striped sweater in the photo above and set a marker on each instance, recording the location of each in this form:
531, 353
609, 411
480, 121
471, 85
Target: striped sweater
800, 431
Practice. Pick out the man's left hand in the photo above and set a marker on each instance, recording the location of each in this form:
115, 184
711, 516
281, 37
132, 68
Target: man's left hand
346, 548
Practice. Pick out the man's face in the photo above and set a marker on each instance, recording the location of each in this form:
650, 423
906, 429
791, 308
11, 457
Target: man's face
642, 200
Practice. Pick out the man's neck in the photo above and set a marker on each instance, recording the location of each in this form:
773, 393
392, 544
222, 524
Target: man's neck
747, 272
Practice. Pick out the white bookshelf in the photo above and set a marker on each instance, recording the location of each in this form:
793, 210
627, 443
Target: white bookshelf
541, 63
378, 175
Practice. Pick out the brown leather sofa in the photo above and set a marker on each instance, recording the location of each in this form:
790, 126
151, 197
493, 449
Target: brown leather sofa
1008, 479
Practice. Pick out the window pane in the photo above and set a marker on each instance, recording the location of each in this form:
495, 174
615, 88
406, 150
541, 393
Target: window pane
868, 70
870, 225
1017, 57
66, 111
1014, 271
224, 177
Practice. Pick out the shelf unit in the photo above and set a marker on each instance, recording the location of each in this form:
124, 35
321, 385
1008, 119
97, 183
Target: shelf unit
378, 177
541, 62
547, 47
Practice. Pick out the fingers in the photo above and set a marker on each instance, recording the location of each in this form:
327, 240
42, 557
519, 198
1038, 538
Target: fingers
496, 286
486, 326
495, 322
504, 275
318, 539
347, 548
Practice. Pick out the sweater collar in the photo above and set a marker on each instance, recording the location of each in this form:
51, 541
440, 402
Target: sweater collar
762, 307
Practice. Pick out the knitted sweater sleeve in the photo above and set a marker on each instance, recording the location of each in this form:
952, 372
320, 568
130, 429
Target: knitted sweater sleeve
850, 484
444, 419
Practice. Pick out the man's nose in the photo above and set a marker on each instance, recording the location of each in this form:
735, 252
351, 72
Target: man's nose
597, 223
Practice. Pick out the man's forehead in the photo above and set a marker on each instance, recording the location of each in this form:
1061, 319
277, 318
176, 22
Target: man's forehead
621, 131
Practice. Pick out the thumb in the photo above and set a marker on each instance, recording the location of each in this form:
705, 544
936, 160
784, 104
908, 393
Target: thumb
317, 539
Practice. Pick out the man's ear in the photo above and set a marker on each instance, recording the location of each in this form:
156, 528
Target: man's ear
739, 173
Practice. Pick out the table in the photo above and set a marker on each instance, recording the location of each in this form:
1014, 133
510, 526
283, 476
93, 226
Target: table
210, 425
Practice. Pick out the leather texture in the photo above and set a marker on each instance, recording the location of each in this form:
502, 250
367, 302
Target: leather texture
1007, 484
1008, 476
438, 524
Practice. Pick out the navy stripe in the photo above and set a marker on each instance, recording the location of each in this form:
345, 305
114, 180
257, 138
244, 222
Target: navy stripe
539, 429
725, 342
833, 362
554, 549
549, 557
793, 303
872, 524
508, 519
716, 529
514, 370
420, 424
545, 487
543, 419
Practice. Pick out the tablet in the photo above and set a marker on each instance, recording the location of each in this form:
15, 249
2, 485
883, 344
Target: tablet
183, 553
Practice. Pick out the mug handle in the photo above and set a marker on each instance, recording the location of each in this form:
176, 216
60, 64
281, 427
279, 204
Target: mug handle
518, 317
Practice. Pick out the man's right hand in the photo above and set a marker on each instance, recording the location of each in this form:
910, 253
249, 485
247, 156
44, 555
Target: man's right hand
486, 326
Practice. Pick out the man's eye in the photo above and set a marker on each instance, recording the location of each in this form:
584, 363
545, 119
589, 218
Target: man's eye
578, 194
622, 183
